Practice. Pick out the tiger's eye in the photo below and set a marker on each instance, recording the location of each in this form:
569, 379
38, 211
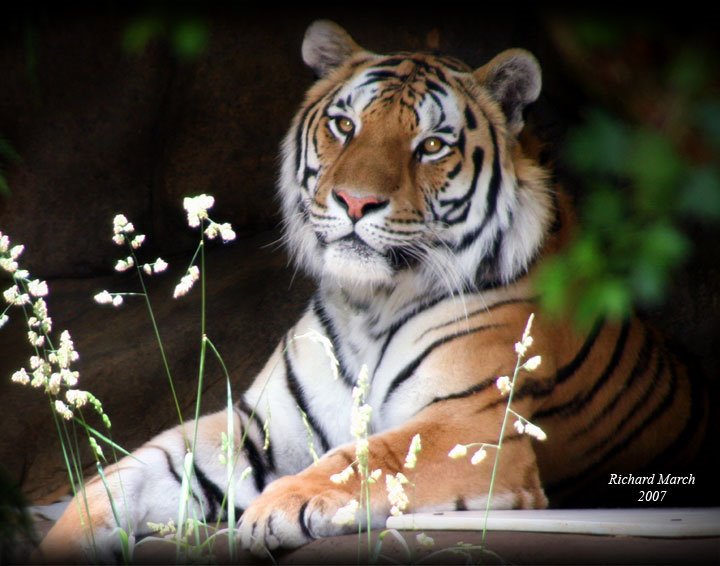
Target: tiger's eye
432, 145
345, 125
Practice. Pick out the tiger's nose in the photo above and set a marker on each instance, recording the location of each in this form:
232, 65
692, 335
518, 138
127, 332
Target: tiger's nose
357, 207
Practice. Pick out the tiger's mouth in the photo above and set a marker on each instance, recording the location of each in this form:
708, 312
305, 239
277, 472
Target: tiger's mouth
350, 258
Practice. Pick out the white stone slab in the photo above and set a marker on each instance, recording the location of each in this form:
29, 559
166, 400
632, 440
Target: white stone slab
670, 522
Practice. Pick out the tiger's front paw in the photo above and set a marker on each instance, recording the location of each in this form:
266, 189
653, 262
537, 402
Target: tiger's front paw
292, 512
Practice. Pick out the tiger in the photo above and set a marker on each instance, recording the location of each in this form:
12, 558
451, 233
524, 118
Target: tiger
407, 195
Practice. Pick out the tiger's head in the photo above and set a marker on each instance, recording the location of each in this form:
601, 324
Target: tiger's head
405, 169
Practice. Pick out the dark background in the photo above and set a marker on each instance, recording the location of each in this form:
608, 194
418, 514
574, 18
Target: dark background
101, 129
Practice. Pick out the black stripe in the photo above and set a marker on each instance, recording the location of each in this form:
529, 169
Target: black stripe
455, 203
176, 476
469, 392
695, 418
482, 310
296, 391
432, 85
490, 200
243, 407
303, 525
470, 119
594, 467
299, 137
256, 462
332, 335
213, 494
566, 372
409, 369
170, 464
632, 412
580, 401
642, 364
397, 325
495, 181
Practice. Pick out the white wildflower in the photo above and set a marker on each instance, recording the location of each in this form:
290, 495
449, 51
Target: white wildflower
137, 241
14, 297
4, 243
66, 353
425, 540
53, 384
360, 420
533, 363
76, 397
22, 274
246, 473
526, 340
535, 431
103, 298
504, 384
117, 300
36, 362
35, 339
41, 311
21, 376
458, 451
196, 208
40, 376
8, 264
124, 264
375, 475
478, 457
70, 378
346, 515
121, 225
3, 320
38, 288
413, 451
519, 426
160, 265
147, 268
16, 251
342, 477
187, 281
226, 232
212, 231
63, 410
396, 493
119, 239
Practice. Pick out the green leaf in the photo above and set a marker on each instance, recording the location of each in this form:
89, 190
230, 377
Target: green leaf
594, 33
552, 285
707, 119
689, 71
649, 282
600, 146
700, 194
190, 38
604, 209
664, 245
654, 168
140, 32
609, 298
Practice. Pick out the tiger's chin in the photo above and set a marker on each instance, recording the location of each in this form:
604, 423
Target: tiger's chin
351, 263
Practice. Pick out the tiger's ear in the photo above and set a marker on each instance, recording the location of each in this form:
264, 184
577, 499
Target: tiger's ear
513, 79
326, 46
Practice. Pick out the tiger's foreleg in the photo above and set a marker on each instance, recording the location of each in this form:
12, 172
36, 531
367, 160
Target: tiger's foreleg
296, 509
147, 487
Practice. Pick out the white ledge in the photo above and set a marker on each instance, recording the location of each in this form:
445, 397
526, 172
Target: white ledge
656, 522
